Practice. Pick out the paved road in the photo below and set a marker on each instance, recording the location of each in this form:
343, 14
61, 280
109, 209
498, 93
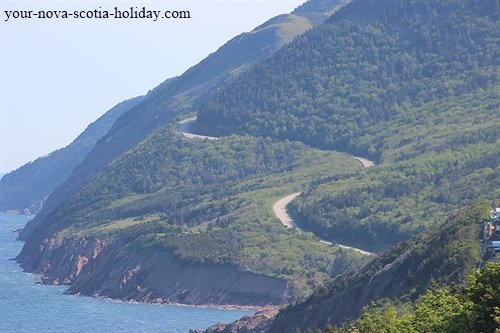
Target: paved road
184, 129
279, 209
186, 123
366, 163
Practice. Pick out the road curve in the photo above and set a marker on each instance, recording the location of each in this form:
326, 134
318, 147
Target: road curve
366, 163
184, 129
279, 209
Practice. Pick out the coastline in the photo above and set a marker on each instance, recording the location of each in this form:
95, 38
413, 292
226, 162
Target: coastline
202, 306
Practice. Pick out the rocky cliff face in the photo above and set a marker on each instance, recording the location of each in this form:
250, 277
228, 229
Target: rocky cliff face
445, 256
94, 267
257, 323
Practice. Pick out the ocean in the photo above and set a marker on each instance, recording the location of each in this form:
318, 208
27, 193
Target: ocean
29, 307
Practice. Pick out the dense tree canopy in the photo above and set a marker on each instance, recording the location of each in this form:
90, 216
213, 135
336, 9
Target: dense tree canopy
474, 309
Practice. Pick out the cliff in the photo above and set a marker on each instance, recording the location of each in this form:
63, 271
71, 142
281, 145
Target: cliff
256, 323
211, 218
443, 257
100, 268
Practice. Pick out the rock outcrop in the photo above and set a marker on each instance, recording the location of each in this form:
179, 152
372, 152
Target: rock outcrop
257, 323
99, 268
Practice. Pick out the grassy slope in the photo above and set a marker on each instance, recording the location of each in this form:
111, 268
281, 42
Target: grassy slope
181, 94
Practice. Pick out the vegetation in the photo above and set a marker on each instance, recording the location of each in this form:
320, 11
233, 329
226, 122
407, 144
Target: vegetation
474, 308
181, 95
411, 84
408, 66
392, 202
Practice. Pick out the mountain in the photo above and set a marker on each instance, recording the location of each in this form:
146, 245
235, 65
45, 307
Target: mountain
183, 94
411, 84
29, 185
173, 207
369, 67
469, 308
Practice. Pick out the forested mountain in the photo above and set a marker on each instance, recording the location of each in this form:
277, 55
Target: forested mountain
411, 84
469, 309
373, 66
417, 286
181, 94
397, 200
30, 184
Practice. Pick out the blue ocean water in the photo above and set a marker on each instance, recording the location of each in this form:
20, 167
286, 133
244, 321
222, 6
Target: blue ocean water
28, 307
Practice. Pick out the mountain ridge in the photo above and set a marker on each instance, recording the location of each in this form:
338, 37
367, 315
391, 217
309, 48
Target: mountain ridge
31, 183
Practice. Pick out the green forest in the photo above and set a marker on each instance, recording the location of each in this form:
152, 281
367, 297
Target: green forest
403, 69
474, 308
433, 266
394, 201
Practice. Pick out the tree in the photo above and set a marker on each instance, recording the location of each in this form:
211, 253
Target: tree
483, 291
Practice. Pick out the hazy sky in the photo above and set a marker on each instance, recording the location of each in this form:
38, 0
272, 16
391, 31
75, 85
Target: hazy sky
59, 75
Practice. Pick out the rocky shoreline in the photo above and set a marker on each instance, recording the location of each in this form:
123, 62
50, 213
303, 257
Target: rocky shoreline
259, 322
100, 268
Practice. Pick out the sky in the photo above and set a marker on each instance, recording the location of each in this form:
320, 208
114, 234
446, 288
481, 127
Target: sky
58, 75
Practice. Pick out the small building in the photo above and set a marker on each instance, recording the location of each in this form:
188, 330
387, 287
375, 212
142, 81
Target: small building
496, 246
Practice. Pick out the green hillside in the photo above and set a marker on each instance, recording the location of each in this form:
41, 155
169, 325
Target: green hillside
413, 68
410, 84
394, 201
181, 94
471, 309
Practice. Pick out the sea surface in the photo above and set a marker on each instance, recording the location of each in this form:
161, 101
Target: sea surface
28, 307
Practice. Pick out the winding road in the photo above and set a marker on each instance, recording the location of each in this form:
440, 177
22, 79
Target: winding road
366, 163
279, 207
184, 129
